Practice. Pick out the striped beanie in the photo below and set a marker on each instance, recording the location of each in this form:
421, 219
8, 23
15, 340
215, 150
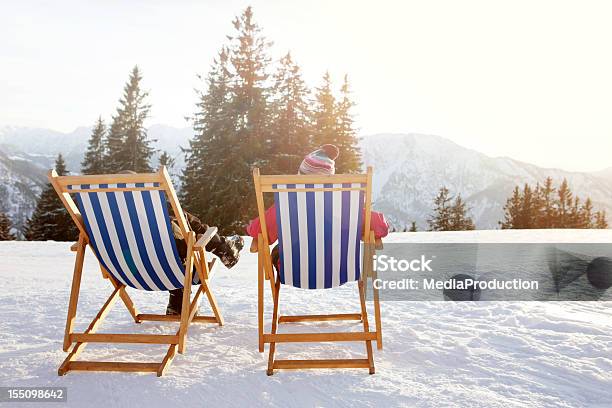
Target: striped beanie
321, 161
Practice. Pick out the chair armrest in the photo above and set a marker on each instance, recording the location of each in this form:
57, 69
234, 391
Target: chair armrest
205, 239
74, 247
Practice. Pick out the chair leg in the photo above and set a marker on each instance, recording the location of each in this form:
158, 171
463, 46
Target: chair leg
270, 370
366, 326
213, 302
167, 360
377, 318
185, 309
366, 336
74, 291
79, 346
260, 299
203, 270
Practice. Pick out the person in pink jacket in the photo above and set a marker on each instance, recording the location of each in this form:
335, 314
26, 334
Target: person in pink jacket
321, 161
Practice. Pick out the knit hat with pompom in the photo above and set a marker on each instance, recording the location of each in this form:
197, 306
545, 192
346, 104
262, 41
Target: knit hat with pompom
321, 161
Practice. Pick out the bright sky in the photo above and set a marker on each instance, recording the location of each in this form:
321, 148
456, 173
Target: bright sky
527, 79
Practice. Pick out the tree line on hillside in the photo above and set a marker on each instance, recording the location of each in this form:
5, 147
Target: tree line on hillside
546, 206
541, 207
250, 113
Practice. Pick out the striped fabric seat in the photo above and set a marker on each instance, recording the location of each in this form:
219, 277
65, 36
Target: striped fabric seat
130, 233
319, 234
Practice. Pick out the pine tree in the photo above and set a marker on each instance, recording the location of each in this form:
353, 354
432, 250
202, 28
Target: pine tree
564, 203
324, 114
248, 144
290, 128
349, 159
93, 162
548, 215
575, 214
512, 210
413, 227
250, 60
333, 124
5, 228
459, 220
127, 145
205, 158
113, 146
166, 160
440, 220
600, 220
233, 131
50, 220
527, 214
585, 217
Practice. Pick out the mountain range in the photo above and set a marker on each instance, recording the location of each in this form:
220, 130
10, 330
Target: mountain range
409, 170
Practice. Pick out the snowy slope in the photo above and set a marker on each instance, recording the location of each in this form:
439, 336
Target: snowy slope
508, 354
21, 182
411, 168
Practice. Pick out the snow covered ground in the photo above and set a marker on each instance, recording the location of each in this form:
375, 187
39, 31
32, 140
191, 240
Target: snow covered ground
506, 354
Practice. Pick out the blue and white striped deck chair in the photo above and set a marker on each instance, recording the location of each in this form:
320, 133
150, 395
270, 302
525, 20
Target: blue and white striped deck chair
124, 219
321, 223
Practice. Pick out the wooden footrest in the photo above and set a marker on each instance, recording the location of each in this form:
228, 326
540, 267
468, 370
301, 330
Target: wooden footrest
318, 337
124, 338
319, 318
112, 366
333, 363
173, 318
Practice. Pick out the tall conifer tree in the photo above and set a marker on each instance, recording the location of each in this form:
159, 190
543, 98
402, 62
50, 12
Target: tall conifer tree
232, 127
333, 123
210, 147
349, 159
459, 218
600, 220
440, 220
324, 113
128, 147
512, 210
50, 220
165, 160
291, 118
93, 162
248, 143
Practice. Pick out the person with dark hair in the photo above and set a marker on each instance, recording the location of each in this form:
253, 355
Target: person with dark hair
226, 248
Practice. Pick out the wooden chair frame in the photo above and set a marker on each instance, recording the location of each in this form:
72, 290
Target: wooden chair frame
195, 257
264, 184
